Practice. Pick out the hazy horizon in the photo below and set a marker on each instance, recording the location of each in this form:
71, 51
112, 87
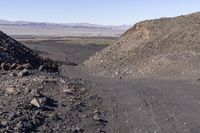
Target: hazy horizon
61, 22
104, 12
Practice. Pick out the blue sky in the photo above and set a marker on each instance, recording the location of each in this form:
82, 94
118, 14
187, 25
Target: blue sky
111, 12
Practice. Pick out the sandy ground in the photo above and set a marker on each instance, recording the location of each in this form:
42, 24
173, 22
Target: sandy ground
134, 106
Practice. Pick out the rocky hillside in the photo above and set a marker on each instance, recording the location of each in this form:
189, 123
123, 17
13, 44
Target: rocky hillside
166, 47
14, 55
34, 101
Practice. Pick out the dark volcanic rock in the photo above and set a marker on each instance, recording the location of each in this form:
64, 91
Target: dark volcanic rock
23, 73
13, 66
13, 52
5, 66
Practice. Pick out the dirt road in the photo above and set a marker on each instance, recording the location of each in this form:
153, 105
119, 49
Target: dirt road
147, 106
143, 105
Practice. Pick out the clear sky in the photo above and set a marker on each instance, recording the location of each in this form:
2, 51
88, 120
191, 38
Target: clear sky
111, 12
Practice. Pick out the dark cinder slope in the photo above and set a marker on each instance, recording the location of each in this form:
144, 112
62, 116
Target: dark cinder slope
166, 47
13, 52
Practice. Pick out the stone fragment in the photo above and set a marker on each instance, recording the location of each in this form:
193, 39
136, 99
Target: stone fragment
96, 117
38, 102
10, 90
13, 66
35, 102
5, 66
23, 73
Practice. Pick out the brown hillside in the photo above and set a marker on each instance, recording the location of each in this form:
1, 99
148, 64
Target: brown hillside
166, 47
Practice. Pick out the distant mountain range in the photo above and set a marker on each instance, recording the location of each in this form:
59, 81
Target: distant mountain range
25, 28
61, 25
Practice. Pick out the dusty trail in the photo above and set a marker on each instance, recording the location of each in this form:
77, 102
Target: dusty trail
147, 105
143, 105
